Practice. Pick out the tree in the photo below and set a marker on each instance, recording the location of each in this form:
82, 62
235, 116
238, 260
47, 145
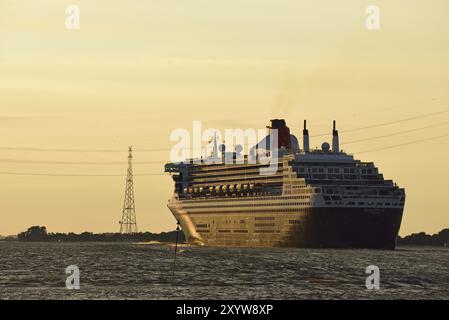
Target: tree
34, 233
443, 235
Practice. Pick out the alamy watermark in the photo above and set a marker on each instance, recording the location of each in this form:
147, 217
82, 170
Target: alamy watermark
72, 19
73, 280
189, 147
373, 280
372, 21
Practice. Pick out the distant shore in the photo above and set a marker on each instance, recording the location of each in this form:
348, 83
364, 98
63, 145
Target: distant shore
39, 233
440, 239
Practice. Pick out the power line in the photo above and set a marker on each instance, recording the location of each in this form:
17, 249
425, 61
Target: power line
396, 133
404, 144
60, 150
165, 161
164, 174
387, 123
168, 149
75, 175
76, 162
81, 150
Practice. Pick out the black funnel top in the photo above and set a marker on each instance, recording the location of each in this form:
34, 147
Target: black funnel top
277, 123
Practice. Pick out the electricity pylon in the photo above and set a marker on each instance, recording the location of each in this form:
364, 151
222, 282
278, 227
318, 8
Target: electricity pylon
128, 224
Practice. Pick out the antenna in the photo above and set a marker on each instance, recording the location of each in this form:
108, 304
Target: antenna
176, 249
215, 151
128, 224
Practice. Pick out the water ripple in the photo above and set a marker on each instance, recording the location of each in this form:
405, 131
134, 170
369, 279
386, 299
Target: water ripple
136, 271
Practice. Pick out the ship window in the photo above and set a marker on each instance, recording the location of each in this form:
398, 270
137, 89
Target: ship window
264, 224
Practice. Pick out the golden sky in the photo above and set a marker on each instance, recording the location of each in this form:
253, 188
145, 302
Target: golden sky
138, 69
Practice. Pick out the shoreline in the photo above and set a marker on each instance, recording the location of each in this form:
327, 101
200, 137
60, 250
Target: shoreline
183, 244
40, 234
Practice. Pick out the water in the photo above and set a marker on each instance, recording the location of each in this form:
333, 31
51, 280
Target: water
144, 271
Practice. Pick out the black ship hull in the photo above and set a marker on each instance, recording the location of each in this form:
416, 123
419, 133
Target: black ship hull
347, 228
314, 227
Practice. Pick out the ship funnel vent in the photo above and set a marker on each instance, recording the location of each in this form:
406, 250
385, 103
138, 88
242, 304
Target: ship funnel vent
305, 138
335, 140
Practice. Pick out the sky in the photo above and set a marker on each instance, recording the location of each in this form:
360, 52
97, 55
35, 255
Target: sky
138, 69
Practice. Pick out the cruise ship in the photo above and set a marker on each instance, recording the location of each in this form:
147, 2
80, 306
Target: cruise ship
316, 198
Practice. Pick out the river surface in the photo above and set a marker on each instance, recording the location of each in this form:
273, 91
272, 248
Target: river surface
145, 271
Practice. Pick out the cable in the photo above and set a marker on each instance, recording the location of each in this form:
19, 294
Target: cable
168, 149
77, 162
396, 133
387, 123
166, 161
84, 150
75, 175
164, 174
62, 150
403, 144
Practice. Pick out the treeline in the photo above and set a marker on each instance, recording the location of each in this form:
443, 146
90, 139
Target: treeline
37, 233
423, 239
